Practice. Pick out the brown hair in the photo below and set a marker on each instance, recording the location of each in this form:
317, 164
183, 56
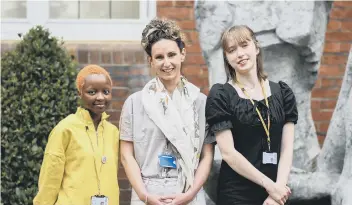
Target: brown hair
238, 35
158, 29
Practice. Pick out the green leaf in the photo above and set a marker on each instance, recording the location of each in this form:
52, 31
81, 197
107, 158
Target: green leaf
37, 91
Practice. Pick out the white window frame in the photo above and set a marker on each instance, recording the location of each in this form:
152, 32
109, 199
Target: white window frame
79, 29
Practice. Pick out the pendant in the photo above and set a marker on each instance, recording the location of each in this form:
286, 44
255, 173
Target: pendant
103, 159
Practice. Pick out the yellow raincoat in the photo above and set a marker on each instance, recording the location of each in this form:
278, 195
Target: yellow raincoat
68, 175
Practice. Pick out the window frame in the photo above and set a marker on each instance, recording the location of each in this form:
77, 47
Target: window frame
79, 29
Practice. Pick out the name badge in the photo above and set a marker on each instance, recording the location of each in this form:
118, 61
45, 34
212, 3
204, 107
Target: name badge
99, 200
168, 161
269, 158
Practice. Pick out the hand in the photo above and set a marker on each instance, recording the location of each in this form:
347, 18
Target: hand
179, 199
154, 200
270, 201
168, 199
279, 192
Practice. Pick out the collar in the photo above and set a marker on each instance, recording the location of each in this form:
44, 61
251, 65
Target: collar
186, 88
84, 116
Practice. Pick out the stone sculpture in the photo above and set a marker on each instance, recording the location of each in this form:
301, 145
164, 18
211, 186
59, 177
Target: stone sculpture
333, 175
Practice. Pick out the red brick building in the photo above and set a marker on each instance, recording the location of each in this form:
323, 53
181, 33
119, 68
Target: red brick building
338, 39
126, 61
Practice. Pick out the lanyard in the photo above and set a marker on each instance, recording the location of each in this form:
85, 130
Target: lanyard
95, 164
266, 128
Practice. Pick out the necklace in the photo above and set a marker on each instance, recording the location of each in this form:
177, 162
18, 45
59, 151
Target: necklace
249, 88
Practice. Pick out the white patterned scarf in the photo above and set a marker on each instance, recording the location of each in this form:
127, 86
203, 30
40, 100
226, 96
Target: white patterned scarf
177, 117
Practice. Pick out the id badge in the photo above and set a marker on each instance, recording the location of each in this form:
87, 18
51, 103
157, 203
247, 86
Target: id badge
269, 158
99, 200
168, 161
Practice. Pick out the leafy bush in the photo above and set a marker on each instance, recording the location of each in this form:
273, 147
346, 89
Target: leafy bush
37, 91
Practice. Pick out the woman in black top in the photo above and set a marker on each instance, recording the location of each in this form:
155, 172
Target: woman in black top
253, 120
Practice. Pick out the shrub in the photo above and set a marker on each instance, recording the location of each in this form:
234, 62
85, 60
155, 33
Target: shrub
37, 91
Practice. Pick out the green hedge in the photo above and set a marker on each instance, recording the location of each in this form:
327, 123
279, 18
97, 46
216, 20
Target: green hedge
37, 91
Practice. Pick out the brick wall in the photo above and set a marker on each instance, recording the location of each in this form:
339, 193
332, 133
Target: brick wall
194, 67
126, 63
338, 41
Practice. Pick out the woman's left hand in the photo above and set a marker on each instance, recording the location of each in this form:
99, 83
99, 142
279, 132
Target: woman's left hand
180, 199
270, 201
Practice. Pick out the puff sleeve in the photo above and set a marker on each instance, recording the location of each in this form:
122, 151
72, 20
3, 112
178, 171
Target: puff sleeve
289, 102
217, 110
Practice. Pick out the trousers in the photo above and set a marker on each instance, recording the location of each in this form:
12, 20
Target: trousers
162, 187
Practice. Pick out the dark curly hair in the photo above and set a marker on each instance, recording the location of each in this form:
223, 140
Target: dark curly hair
158, 29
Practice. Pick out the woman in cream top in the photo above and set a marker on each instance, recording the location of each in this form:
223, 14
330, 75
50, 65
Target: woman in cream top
165, 149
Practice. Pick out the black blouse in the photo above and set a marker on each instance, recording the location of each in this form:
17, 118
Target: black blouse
226, 110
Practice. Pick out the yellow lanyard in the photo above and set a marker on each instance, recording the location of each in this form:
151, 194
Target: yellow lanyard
266, 128
94, 157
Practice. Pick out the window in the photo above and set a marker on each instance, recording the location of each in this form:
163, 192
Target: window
13, 9
94, 9
78, 20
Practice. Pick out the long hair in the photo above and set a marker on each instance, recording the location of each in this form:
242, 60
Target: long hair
238, 35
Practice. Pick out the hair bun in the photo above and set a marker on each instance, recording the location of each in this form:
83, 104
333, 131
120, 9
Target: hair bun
159, 29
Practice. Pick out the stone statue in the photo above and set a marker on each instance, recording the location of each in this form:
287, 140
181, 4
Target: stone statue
333, 176
291, 35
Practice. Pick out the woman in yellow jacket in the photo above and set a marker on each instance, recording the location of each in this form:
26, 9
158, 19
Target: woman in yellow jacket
81, 158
